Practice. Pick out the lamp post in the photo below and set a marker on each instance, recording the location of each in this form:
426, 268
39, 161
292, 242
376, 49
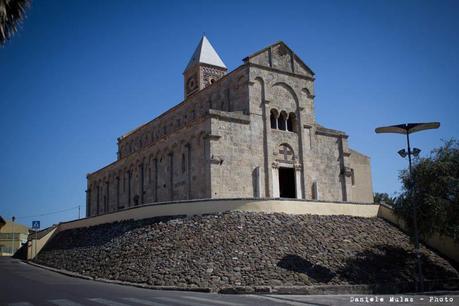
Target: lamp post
407, 129
12, 234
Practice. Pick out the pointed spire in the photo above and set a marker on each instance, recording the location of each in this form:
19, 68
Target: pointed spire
205, 54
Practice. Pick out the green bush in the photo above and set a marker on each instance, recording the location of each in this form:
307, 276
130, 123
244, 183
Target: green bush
434, 188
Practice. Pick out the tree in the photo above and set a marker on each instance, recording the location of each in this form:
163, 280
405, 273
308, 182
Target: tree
12, 12
434, 188
383, 198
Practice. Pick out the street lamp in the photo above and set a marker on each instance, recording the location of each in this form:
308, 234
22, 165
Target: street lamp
407, 129
12, 234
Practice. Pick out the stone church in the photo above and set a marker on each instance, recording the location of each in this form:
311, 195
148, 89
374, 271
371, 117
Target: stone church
248, 133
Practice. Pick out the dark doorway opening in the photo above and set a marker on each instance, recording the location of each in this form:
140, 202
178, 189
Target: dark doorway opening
287, 183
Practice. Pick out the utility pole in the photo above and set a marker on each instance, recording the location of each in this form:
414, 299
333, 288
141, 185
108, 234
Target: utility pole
78, 211
12, 234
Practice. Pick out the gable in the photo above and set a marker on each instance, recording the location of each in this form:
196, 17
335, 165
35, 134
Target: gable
279, 56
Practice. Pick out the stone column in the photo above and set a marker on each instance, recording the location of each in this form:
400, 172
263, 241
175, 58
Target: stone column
98, 199
171, 178
301, 152
88, 202
107, 196
129, 187
345, 175
117, 192
188, 170
156, 180
142, 183
275, 172
266, 141
257, 182
298, 185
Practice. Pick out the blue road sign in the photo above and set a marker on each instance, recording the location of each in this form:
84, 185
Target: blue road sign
35, 225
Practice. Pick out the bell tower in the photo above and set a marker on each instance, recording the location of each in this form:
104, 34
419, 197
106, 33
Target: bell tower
204, 68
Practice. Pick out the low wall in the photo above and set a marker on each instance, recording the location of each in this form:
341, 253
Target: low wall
199, 207
37, 241
443, 244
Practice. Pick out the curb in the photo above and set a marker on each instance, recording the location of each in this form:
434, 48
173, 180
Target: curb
388, 288
61, 271
118, 282
146, 286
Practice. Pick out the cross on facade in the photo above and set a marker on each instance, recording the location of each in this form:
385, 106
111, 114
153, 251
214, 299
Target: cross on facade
285, 151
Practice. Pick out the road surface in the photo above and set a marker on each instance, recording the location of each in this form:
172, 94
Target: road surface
24, 285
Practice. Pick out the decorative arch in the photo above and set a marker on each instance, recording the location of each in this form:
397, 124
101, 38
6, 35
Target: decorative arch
262, 88
289, 89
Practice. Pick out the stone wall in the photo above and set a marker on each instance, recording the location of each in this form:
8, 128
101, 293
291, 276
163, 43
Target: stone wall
361, 172
327, 168
168, 158
244, 249
172, 169
225, 94
320, 155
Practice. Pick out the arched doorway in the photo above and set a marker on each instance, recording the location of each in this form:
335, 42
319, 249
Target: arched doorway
286, 174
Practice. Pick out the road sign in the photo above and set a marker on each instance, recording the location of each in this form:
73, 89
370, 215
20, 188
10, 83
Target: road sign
35, 225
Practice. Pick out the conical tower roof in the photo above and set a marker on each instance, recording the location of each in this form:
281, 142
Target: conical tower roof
205, 54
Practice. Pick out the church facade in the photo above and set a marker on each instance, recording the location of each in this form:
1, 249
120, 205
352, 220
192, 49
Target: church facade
249, 133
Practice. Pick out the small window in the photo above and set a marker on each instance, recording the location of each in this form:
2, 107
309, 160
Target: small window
315, 191
273, 119
282, 121
183, 163
352, 177
291, 122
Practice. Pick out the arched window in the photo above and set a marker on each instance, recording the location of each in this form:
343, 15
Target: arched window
291, 122
183, 163
282, 121
273, 119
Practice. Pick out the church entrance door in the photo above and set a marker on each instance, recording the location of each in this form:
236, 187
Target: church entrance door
287, 182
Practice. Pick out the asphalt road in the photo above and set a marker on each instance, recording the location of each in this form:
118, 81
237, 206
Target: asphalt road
25, 285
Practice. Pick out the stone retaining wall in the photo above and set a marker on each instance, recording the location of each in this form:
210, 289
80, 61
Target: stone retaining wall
243, 249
